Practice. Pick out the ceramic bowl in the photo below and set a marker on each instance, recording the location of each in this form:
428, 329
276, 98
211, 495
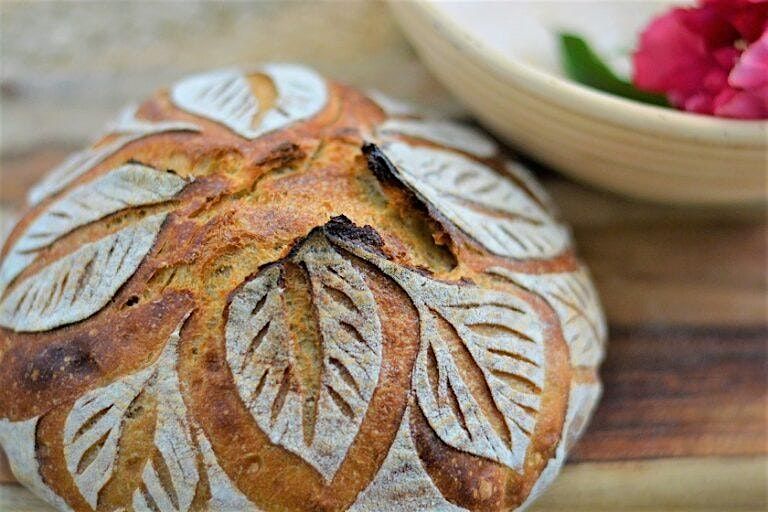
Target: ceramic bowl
507, 75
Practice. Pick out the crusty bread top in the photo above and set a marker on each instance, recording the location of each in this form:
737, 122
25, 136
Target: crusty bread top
265, 291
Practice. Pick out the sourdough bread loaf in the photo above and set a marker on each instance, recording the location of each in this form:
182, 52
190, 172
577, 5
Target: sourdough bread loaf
263, 291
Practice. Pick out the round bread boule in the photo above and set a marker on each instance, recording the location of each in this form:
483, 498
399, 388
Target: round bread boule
265, 291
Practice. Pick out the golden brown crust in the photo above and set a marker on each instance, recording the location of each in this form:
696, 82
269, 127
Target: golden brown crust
40, 373
249, 203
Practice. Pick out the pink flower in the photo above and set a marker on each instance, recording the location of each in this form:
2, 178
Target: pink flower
746, 96
748, 17
696, 57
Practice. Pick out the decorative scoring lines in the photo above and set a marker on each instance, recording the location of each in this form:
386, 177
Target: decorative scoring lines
492, 210
81, 283
225, 96
95, 425
466, 332
263, 355
123, 187
575, 300
500, 332
126, 128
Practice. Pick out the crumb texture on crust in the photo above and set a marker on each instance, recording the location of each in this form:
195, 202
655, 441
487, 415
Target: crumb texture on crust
261, 290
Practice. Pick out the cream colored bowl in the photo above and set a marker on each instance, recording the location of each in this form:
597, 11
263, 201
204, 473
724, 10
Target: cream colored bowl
627, 147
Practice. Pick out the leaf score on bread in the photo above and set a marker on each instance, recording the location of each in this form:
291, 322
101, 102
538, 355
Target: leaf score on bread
19, 442
225, 96
224, 495
582, 400
492, 210
125, 129
442, 132
93, 427
500, 333
575, 300
393, 107
123, 187
95, 423
81, 283
402, 482
263, 353
503, 337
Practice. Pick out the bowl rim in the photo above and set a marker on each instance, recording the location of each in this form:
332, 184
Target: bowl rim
594, 103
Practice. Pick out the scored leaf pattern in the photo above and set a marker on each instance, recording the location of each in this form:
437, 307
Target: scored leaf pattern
480, 369
446, 133
582, 399
123, 187
225, 497
226, 97
492, 210
93, 429
80, 284
94, 426
503, 336
127, 128
173, 441
393, 106
402, 482
575, 300
531, 184
18, 440
263, 355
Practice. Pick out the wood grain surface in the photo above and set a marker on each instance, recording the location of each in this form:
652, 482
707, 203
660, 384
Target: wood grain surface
713, 484
682, 424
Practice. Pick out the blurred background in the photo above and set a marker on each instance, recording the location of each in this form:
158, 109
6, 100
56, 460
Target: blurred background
682, 425
68, 66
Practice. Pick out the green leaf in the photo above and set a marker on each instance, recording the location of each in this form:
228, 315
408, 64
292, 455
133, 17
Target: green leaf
583, 65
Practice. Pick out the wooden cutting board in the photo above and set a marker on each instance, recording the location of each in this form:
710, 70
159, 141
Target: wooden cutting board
682, 424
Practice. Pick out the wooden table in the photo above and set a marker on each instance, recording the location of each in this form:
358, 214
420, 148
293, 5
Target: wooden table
682, 425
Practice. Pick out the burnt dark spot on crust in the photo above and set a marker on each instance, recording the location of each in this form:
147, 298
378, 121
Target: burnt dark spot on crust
343, 228
340, 228
71, 360
379, 164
